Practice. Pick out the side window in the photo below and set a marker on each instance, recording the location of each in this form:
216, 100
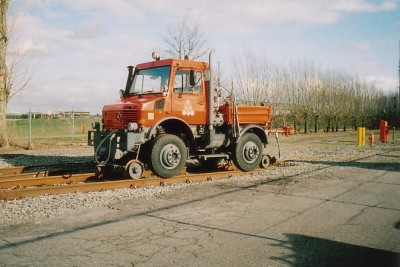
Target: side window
187, 82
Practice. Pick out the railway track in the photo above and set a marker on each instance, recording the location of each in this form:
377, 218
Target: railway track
16, 185
46, 169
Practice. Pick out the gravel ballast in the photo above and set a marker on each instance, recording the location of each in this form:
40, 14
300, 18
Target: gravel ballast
321, 153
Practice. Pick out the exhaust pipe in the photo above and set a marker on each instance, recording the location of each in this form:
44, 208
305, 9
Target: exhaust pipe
211, 93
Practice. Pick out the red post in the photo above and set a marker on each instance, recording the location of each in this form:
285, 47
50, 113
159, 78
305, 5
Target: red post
383, 131
371, 138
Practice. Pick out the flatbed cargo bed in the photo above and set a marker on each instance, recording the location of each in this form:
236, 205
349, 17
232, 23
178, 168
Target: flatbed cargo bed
260, 115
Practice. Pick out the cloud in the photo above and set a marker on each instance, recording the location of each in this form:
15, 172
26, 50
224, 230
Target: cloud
89, 31
383, 83
93, 40
237, 17
121, 9
360, 47
31, 49
229, 17
369, 65
363, 6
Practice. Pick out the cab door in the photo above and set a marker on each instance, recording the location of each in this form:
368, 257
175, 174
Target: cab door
188, 96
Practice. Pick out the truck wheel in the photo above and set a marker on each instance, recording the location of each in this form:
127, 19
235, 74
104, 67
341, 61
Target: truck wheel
168, 155
134, 169
248, 152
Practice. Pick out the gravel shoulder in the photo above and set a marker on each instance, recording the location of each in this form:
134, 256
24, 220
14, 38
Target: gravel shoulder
322, 153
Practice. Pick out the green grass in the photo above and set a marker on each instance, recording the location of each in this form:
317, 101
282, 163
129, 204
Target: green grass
50, 129
47, 131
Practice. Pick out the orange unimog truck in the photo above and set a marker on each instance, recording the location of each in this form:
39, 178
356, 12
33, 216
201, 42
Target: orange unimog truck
171, 111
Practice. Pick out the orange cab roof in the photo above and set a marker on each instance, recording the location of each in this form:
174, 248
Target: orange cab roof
174, 63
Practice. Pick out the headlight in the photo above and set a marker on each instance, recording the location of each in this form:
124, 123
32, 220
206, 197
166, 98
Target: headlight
96, 126
133, 126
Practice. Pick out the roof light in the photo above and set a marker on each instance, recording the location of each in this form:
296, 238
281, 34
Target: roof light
155, 55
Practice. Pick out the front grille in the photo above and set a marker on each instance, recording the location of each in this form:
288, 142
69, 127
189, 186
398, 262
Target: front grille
117, 120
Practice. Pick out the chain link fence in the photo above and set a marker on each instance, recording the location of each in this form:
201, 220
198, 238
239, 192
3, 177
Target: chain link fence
30, 128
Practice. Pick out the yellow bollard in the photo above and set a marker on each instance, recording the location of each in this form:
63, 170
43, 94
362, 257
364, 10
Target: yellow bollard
361, 136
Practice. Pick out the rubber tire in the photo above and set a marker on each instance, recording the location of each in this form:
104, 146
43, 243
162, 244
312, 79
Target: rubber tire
164, 142
239, 158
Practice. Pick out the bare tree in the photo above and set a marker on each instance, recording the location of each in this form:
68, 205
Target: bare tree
308, 95
15, 74
185, 39
3, 73
255, 79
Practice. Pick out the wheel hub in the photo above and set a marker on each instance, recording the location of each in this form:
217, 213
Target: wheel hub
170, 156
250, 152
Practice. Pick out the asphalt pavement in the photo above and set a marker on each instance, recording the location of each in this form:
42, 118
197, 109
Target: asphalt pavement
342, 216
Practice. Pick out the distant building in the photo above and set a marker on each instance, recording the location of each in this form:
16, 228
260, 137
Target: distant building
47, 115
76, 114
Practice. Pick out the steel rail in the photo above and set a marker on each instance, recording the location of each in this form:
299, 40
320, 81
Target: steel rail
18, 193
31, 175
41, 178
11, 170
23, 169
20, 181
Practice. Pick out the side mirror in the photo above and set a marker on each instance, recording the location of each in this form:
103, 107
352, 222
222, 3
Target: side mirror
191, 78
207, 75
121, 93
164, 89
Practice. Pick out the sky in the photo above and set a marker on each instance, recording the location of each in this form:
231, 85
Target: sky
76, 51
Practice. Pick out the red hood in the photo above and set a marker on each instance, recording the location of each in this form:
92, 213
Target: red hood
117, 115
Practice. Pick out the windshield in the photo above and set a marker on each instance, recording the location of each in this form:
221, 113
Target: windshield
154, 80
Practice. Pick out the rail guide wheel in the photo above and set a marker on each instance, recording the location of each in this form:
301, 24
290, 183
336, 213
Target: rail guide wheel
265, 161
134, 169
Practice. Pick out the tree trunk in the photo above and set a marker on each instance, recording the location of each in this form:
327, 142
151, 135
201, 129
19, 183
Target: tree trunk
305, 125
3, 110
3, 73
328, 126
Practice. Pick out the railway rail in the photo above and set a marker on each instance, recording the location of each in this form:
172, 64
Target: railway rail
45, 169
15, 185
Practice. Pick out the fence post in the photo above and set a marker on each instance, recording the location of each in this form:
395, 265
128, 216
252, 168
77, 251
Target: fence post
73, 125
30, 144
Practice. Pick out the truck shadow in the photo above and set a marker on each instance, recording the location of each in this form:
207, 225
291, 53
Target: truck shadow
386, 166
34, 163
366, 162
397, 225
311, 251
